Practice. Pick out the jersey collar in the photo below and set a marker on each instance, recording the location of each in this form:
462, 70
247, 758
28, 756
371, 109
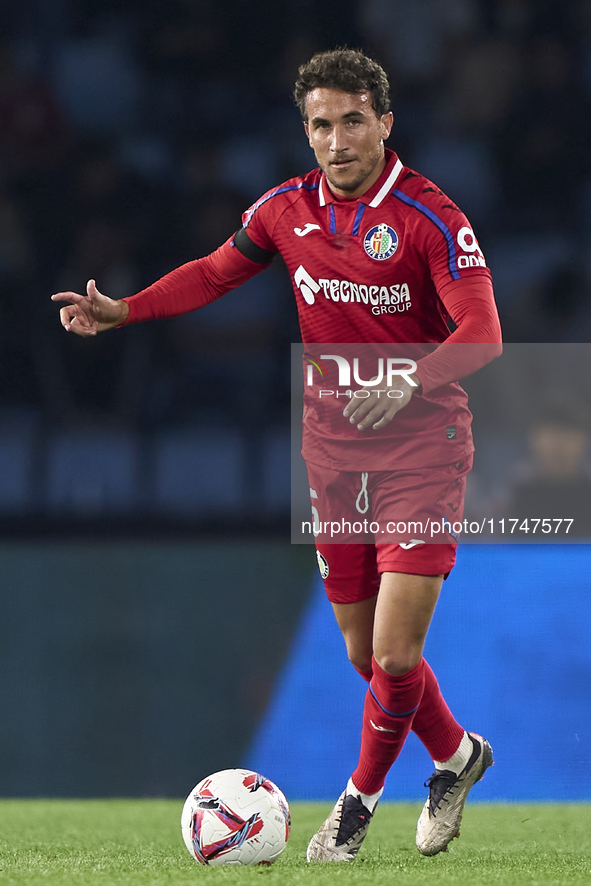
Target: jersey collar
378, 191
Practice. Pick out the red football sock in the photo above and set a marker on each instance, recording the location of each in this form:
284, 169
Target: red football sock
390, 706
367, 675
434, 723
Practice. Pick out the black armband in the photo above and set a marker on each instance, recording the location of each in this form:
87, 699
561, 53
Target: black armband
250, 250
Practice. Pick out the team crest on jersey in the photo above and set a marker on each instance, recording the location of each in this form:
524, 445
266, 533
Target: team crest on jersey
381, 242
322, 565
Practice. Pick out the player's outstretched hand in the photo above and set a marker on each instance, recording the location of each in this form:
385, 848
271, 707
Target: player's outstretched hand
91, 313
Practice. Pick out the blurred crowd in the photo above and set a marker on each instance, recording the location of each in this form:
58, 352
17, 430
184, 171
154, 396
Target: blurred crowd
133, 135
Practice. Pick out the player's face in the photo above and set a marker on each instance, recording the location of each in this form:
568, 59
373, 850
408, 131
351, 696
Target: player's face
347, 138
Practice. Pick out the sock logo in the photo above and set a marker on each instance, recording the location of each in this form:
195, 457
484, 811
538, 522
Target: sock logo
381, 728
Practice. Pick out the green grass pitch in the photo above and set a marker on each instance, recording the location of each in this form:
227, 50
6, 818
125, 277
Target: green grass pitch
138, 843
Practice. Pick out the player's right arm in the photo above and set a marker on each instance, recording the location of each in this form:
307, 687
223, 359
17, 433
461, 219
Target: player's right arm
185, 289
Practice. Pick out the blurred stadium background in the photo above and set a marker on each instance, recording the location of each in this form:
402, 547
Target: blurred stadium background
151, 607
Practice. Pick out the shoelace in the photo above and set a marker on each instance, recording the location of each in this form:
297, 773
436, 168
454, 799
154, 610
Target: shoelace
439, 784
352, 819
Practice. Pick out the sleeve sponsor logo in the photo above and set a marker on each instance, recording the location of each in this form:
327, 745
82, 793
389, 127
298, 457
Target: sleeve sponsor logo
468, 243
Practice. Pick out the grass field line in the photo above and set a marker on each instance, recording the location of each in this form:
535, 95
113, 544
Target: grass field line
138, 843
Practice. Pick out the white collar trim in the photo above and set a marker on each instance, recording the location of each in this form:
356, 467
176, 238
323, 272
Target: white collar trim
382, 193
388, 184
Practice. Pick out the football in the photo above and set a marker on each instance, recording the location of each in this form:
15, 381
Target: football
235, 817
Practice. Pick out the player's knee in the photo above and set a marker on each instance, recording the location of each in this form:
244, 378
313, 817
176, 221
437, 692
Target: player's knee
360, 659
359, 648
397, 662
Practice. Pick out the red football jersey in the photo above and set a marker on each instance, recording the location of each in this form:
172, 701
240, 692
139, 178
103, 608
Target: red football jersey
373, 269
368, 269
380, 268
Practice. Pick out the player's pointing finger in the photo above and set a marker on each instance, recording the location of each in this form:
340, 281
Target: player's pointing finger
73, 297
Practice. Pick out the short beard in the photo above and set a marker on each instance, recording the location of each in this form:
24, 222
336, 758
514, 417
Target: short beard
364, 174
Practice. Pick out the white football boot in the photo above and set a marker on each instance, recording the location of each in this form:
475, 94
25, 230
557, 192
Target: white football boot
441, 817
343, 832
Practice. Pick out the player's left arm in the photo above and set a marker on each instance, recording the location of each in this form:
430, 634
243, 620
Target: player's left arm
476, 340
464, 286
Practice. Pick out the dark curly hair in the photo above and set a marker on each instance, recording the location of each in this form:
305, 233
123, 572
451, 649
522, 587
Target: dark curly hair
349, 70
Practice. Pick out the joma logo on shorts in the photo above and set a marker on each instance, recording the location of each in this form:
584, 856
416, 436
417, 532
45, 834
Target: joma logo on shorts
383, 299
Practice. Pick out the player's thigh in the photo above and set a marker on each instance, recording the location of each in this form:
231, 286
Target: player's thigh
403, 613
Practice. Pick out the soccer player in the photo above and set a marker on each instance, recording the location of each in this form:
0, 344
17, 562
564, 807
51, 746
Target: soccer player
376, 253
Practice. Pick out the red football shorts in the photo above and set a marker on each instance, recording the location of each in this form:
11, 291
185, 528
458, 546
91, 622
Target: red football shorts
409, 510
